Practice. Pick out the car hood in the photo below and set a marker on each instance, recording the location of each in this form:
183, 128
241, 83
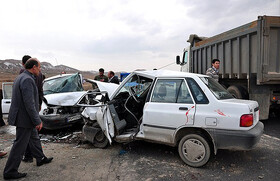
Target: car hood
104, 86
64, 99
71, 98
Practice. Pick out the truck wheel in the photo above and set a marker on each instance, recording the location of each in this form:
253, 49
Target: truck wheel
100, 140
238, 92
194, 150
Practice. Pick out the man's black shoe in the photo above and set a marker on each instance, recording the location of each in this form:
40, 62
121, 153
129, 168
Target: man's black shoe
28, 160
14, 176
45, 160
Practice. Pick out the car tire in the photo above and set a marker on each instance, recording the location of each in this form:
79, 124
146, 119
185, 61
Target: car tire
238, 92
100, 140
194, 150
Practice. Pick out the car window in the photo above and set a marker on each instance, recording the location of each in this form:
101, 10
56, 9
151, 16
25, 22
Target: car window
171, 91
217, 89
184, 94
198, 94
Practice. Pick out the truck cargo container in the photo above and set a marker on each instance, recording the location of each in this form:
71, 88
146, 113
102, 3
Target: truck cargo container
250, 60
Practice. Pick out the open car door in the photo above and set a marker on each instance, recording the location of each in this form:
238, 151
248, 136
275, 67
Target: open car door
7, 88
97, 109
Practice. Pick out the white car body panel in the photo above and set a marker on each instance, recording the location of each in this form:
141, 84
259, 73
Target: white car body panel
105, 86
104, 119
165, 115
64, 99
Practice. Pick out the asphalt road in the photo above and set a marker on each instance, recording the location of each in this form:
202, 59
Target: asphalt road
148, 161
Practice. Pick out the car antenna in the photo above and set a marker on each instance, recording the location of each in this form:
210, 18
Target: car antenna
166, 65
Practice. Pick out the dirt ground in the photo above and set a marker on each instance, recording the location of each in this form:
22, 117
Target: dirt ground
76, 159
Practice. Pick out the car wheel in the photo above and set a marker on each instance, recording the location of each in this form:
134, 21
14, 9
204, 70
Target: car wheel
100, 140
194, 150
238, 92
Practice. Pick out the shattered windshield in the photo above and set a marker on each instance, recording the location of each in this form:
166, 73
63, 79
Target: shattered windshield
217, 89
139, 85
71, 83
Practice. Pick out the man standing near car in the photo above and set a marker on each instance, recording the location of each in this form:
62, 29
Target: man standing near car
101, 77
24, 114
214, 70
113, 78
39, 82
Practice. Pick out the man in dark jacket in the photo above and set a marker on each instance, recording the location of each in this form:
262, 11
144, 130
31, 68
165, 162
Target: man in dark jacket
39, 83
113, 78
101, 77
24, 114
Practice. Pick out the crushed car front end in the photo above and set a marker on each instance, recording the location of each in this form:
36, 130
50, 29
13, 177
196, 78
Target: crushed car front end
61, 94
56, 117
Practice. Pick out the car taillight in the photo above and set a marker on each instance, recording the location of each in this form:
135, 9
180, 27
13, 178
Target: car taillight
246, 120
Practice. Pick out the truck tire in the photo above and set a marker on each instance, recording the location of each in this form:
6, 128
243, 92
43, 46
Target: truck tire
238, 92
194, 150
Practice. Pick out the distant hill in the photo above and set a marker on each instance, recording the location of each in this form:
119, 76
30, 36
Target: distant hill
9, 70
11, 65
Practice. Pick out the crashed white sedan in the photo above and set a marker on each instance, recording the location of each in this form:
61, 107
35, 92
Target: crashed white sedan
61, 94
190, 111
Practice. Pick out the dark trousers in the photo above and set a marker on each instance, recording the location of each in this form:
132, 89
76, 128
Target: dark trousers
24, 137
28, 153
2, 123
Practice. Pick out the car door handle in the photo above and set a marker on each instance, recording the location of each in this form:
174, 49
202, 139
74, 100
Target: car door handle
183, 108
8, 102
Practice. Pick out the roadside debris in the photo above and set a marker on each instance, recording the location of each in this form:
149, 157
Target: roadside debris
63, 136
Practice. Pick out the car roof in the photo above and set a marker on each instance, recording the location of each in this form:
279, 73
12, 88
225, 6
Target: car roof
167, 73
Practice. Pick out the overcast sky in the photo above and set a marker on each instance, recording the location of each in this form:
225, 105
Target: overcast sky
119, 35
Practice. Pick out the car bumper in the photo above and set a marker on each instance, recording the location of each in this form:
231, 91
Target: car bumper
237, 140
60, 121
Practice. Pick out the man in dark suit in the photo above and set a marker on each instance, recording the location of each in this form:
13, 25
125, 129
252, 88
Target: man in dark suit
24, 114
39, 83
113, 78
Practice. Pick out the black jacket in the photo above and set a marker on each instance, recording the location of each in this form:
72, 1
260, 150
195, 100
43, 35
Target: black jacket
114, 80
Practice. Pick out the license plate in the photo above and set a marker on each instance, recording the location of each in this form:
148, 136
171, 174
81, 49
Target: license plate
73, 118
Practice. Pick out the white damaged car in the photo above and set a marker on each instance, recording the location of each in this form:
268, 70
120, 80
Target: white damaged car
61, 94
190, 111
59, 107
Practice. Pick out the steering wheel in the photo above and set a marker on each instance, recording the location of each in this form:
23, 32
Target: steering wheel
132, 93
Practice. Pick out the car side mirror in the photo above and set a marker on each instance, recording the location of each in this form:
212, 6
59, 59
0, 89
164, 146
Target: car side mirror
178, 60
